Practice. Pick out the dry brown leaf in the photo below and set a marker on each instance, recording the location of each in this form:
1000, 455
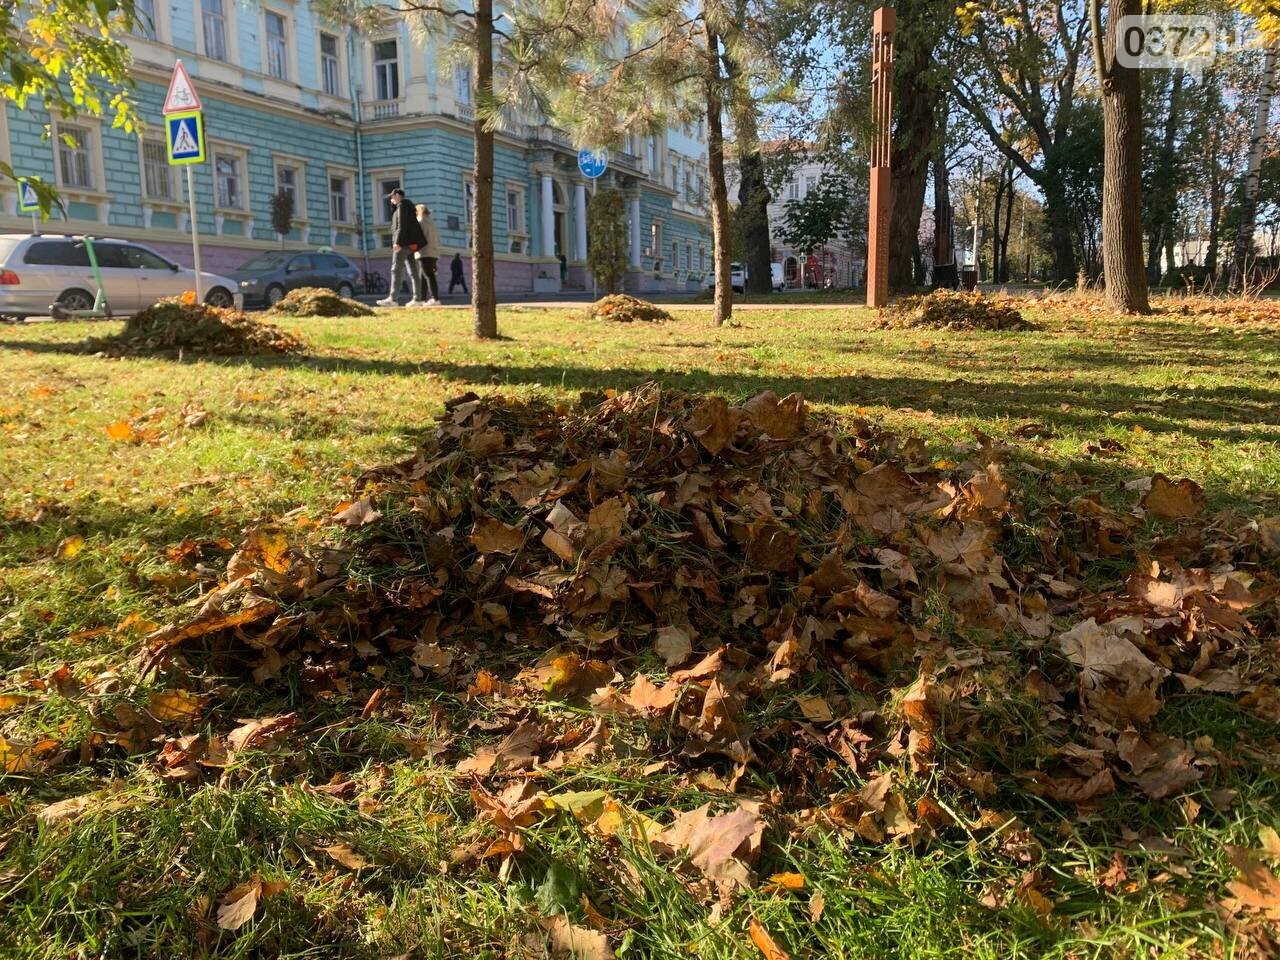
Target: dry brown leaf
711, 842
1256, 889
577, 943
257, 733
344, 855
714, 423
765, 943
1173, 500
673, 646
358, 514
240, 904
779, 419
491, 535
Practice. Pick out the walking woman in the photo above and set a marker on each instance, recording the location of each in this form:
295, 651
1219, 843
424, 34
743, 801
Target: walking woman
429, 255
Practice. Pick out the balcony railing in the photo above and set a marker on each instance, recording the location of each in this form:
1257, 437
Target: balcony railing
381, 109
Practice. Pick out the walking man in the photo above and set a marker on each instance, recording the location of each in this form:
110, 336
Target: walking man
456, 277
406, 239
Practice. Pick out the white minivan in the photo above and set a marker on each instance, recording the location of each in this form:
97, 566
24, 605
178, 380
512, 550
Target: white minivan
38, 271
738, 278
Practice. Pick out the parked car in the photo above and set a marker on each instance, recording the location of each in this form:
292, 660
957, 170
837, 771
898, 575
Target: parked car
38, 271
266, 278
738, 278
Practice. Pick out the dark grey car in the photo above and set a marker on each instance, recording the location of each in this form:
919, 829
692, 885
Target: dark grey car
266, 278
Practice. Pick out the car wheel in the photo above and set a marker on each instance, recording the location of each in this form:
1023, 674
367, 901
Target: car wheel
74, 300
275, 293
346, 290
220, 298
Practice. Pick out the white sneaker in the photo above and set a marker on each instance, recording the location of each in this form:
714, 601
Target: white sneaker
433, 302
416, 303
386, 302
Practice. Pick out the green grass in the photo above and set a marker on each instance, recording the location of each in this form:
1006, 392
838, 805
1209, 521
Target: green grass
284, 440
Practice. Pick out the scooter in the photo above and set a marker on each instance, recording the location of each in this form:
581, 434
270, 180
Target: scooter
101, 309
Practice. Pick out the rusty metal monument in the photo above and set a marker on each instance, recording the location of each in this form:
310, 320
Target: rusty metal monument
881, 205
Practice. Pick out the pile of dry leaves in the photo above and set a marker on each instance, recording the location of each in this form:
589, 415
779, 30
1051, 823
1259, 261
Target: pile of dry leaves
954, 310
758, 588
318, 302
623, 308
180, 325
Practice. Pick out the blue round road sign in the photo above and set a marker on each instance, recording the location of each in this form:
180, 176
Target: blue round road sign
593, 163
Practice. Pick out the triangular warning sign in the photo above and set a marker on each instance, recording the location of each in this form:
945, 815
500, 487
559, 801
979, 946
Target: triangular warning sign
184, 141
182, 97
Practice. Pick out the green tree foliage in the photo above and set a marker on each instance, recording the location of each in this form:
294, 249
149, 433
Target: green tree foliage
64, 53
607, 228
824, 214
282, 212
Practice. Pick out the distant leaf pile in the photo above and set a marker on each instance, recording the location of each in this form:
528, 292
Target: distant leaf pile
177, 325
623, 308
1234, 311
318, 302
955, 310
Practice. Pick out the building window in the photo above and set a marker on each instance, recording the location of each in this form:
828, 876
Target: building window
227, 174
652, 165
462, 84
793, 190
468, 202
339, 194
277, 49
75, 156
157, 175
385, 207
702, 259
655, 238
688, 255
215, 29
675, 177
675, 255
809, 184
516, 228
386, 70
288, 179
688, 185
145, 11
329, 65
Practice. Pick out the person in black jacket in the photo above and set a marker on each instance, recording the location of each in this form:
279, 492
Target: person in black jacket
456, 276
406, 239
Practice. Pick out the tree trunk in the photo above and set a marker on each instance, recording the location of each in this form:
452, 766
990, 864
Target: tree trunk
753, 192
1124, 268
915, 102
944, 247
1165, 202
1057, 214
720, 242
997, 209
1008, 227
1249, 194
484, 301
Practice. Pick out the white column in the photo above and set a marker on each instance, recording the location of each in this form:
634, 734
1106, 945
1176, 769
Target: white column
548, 218
635, 232
580, 215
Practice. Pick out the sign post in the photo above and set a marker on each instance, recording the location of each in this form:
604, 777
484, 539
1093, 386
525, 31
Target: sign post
184, 128
881, 205
593, 164
28, 202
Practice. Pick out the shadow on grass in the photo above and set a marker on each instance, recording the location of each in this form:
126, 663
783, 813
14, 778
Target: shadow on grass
1070, 403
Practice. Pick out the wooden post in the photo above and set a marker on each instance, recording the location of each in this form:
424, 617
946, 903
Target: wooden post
881, 206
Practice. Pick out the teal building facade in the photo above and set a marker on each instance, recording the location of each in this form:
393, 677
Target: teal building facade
338, 120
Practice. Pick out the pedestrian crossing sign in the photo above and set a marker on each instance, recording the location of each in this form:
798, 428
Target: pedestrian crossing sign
28, 201
186, 137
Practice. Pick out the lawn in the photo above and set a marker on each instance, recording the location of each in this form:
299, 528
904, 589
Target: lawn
128, 482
